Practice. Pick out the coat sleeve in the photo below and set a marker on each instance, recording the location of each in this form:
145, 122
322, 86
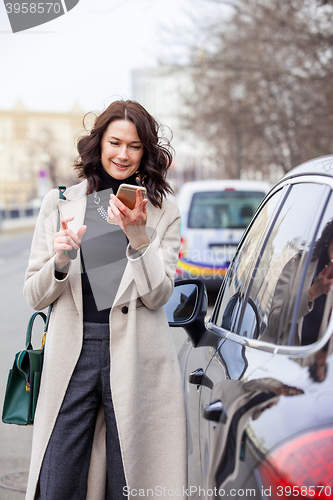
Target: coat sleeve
41, 287
154, 271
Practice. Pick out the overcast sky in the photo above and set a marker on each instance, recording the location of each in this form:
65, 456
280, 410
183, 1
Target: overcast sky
86, 55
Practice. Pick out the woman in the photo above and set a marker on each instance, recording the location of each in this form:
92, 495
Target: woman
111, 399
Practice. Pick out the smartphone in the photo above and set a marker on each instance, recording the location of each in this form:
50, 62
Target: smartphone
127, 194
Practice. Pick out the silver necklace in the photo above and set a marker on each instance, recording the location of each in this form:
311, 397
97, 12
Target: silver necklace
101, 210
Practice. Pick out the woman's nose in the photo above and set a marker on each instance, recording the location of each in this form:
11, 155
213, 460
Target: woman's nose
123, 153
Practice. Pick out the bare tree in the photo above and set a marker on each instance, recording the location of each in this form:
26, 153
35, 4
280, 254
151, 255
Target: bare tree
263, 93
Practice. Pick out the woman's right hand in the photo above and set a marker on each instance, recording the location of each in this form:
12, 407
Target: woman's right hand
66, 240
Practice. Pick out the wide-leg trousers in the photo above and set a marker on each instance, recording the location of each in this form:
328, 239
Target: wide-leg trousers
65, 467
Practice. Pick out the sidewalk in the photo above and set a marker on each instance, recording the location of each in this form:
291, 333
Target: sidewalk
21, 223
15, 440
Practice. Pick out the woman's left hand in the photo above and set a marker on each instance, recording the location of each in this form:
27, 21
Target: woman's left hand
132, 222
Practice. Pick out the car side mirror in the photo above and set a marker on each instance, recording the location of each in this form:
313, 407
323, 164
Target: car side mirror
187, 307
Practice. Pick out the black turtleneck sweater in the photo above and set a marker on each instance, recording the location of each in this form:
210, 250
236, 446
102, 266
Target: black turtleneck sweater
103, 250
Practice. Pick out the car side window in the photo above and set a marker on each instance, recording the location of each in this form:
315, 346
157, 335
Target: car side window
241, 267
266, 289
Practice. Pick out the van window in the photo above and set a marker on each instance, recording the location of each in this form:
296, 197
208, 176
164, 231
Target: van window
223, 209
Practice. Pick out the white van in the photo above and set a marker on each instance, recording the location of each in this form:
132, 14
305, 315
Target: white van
214, 215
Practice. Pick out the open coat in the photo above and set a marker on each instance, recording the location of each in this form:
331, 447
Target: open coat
145, 376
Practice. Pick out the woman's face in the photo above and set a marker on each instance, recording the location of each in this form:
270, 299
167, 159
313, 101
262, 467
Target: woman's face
121, 149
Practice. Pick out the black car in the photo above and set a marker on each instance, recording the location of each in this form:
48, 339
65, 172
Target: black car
258, 374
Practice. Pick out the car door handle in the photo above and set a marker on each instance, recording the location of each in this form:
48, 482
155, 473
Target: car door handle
215, 412
198, 377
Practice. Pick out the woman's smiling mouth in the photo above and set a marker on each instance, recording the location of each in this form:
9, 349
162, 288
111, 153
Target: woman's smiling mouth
119, 165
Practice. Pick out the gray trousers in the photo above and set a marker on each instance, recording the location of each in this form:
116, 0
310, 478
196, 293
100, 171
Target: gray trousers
66, 461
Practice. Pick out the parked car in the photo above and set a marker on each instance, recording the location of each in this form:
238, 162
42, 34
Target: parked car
258, 374
214, 215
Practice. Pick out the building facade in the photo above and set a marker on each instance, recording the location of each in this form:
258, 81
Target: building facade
37, 150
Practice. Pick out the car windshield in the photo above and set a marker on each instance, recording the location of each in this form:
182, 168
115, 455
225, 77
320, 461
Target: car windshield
223, 209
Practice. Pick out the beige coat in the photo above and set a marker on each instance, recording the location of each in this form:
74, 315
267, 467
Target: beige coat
145, 377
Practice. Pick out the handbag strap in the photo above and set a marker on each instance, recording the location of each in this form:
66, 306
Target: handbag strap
61, 190
30, 325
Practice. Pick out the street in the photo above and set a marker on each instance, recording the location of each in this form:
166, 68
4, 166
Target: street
15, 313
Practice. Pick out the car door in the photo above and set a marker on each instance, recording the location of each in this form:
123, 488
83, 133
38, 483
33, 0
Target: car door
240, 360
199, 360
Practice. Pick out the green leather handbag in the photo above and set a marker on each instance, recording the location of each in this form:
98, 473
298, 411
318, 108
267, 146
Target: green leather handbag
24, 379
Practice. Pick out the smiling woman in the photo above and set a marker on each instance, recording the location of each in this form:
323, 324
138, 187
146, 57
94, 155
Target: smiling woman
111, 383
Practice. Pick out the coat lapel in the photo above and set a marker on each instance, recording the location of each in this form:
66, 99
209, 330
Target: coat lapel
75, 206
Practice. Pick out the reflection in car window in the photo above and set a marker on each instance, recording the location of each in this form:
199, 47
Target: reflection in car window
283, 270
300, 307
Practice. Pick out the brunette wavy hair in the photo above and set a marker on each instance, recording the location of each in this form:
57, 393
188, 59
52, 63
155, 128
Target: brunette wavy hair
324, 240
157, 152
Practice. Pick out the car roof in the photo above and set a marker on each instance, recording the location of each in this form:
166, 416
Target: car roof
184, 197
216, 184
317, 166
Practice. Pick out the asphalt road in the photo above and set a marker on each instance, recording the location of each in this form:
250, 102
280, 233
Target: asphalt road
15, 441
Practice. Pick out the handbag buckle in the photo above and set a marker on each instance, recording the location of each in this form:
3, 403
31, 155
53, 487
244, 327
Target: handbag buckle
27, 387
43, 340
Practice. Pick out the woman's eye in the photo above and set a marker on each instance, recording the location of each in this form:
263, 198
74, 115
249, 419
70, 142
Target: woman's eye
114, 143
135, 147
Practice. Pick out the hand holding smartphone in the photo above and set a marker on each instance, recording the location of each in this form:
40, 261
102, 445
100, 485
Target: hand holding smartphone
127, 195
